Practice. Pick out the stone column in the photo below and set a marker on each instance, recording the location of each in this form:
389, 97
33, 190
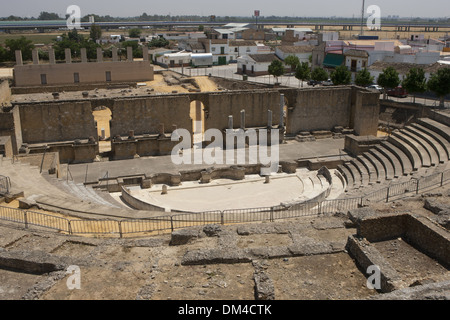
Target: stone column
68, 54
269, 119
243, 119
230, 122
145, 53
19, 60
115, 56
99, 55
161, 129
35, 54
51, 55
281, 110
129, 53
84, 58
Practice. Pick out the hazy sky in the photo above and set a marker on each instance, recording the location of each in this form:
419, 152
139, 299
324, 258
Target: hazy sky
348, 8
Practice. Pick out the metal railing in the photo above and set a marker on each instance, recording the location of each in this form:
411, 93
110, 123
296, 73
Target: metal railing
169, 223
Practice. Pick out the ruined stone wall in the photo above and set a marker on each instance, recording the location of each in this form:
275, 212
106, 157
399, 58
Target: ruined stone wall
365, 112
326, 108
5, 92
144, 115
10, 126
318, 109
57, 74
52, 122
255, 103
308, 110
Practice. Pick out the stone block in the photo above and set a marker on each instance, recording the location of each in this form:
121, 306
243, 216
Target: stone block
184, 236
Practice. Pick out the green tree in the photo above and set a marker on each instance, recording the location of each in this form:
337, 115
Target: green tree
341, 76
319, 74
439, 84
3, 54
158, 42
201, 28
276, 69
75, 42
363, 78
292, 61
48, 16
73, 35
134, 33
137, 49
303, 72
144, 17
96, 32
415, 82
23, 44
388, 79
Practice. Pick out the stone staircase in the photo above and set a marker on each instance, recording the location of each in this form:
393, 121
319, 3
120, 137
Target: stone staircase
37, 186
420, 149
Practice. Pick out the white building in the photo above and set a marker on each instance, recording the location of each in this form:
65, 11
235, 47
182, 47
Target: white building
298, 32
223, 34
242, 47
172, 60
256, 64
220, 50
356, 60
303, 53
403, 68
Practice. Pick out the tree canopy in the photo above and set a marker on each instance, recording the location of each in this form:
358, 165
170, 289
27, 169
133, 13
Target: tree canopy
75, 41
158, 42
439, 83
276, 69
319, 74
44, 15
303, 72
95, 32
23, 44
134, 33
415, 81
292, 61
363, 78
341, 76
388, 79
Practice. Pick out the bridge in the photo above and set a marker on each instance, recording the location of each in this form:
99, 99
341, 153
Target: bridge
8, 26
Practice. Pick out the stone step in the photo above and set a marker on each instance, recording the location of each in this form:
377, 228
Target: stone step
347, 176
28, 179
401, 156
437, 147
426, 151
398, 168
435, 126
424, 158
365, 174
357, 179
387, 164
442, 141
317, 183
403, 145
339, 184
380, 174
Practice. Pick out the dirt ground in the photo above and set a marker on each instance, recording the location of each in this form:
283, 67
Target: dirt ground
410, 263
